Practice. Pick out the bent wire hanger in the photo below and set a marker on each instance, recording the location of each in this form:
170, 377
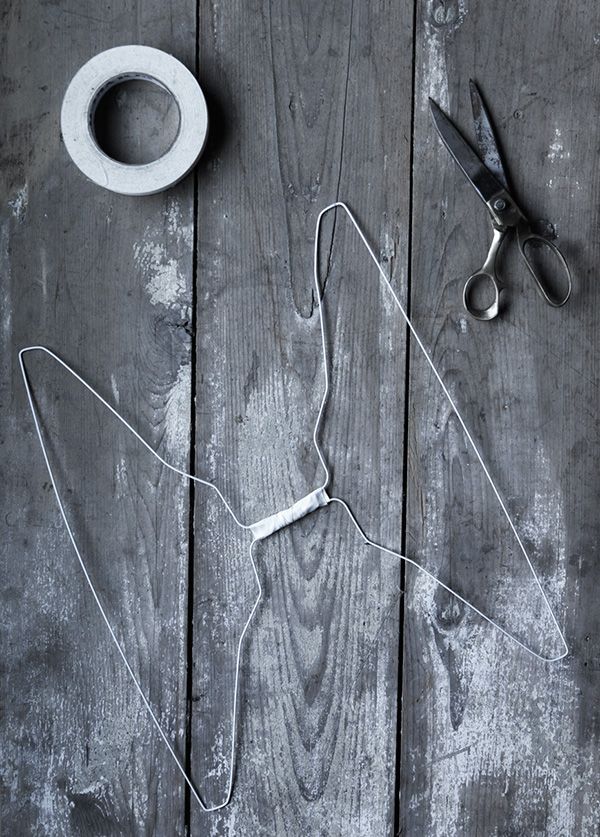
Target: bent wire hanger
267, 526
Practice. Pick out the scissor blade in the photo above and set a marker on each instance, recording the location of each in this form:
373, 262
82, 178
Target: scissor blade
482, 180
486, 139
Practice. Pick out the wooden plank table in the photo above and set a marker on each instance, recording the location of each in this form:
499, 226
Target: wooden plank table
371, 702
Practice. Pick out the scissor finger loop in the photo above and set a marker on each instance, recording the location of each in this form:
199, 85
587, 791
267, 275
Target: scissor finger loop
525, 238
478, 283
474, 283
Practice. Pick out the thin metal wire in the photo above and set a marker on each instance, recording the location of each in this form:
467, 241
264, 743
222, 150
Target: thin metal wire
247, 527
129, 427
136, 682
386, 281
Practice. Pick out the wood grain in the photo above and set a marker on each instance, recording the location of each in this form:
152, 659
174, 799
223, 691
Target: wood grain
106, 282
194, 312
495, 742
307, 111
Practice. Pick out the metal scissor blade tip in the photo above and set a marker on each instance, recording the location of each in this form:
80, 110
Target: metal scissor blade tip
486, 137
482, 180
476, 100
438, 115
445, 127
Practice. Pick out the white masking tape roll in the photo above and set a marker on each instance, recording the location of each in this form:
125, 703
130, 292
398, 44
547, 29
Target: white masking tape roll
86, 89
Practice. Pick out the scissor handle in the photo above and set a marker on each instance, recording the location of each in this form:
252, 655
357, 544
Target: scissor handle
477, 280
487, 275
526, 237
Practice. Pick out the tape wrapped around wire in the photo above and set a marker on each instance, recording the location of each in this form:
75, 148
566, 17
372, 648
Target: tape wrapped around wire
91, 82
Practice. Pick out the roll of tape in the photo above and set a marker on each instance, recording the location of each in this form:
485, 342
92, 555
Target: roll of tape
86, 89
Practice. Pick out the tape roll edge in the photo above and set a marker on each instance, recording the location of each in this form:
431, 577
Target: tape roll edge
87, 87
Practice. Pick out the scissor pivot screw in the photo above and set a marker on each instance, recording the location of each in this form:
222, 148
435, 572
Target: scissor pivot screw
499, 204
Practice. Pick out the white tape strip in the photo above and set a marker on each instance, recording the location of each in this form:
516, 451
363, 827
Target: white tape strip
87, 88
265, 527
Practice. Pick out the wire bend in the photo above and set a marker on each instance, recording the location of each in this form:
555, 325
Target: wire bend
284, 518
207, 808
492, 484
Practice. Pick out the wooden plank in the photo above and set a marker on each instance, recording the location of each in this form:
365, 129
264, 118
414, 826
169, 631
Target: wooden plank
106, 281
494, 741
308, 104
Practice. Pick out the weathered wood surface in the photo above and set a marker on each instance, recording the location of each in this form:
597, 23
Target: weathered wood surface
495, 742
106, 282
308, 112
194, 312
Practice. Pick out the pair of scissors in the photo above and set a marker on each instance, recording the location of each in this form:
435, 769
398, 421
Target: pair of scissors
489, 180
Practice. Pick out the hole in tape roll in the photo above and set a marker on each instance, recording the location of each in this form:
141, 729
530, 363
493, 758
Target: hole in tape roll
135, 120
